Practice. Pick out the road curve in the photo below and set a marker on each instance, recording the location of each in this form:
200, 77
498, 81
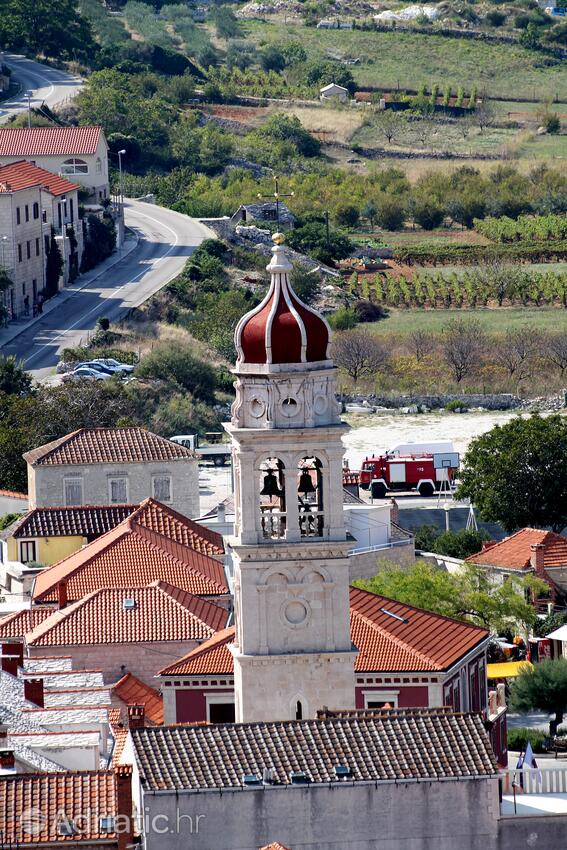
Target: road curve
48, 85
166, 239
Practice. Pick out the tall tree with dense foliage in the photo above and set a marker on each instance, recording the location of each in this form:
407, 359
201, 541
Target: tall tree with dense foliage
516, 474
467, 595
13, 377
50, 27
542, 688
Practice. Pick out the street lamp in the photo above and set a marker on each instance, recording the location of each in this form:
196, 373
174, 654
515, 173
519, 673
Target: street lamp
447, 508
29, 96
120, 155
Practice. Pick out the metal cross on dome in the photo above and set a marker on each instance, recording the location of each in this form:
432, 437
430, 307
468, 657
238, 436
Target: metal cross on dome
277, 195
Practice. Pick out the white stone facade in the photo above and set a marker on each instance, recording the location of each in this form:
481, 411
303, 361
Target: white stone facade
128, 483
293, 653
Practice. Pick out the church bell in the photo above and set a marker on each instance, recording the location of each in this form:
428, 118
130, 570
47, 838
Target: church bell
305, 485
271, 487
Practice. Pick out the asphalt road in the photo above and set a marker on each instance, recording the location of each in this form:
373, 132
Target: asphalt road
47, 85
166, 239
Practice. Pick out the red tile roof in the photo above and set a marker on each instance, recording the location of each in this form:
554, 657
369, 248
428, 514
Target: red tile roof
107, 445
49, 141
169, 523
120, 738
132, 691
131, 555
514, 552
12, 494
425, 641
73, 793
84, 521
275, 845
419, 641
18, 624
212, 658
160, 613
24, 175
94, 520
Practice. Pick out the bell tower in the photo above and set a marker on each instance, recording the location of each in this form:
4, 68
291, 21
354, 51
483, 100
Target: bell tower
293, 652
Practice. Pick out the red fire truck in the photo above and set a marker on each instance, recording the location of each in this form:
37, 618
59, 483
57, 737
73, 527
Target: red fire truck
407, 471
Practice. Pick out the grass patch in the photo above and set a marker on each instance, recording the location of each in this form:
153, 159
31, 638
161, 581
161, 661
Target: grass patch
493, 321
505, 70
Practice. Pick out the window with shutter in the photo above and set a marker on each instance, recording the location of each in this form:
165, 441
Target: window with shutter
27, 551
162, 488
73, 491
118, 491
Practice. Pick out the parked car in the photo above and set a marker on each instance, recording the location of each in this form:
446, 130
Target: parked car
112, 365
88, 374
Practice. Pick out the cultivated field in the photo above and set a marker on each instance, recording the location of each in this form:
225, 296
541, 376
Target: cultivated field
504, 70
493, 321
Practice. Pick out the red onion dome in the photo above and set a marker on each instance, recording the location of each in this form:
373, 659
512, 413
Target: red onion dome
282, 329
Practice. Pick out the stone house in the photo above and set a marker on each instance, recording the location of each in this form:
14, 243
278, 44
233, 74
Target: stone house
135, 553
89, 809
268, 212
333, 91
33, 204
324, 783
79, 153
113, 466
127, 630
407, 658
529, 551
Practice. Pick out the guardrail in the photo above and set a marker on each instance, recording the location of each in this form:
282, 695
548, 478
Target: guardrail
379, 546
534, 781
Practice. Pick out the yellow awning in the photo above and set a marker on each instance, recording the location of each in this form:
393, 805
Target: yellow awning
506, 669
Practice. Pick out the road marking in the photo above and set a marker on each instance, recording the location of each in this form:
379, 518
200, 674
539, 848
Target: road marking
113, 294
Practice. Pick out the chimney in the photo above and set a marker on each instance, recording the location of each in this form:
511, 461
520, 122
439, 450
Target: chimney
33, 691
123, 785
7, 759
221, 512
62, 594
136, 716
394, 512
537, 558
12, 656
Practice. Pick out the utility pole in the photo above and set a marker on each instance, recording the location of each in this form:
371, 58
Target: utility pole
28, 95
277, 195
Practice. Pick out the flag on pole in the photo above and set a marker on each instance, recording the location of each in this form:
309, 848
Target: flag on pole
529, 761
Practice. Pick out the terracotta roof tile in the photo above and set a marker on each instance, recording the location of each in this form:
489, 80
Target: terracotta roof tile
107, 445
169, 523
160, 613
24, 175
128, 556
18, 624
211, 658
397, 746
275, 845
115, 718
411, 640
120, 738
48, 141
84, 521
132, 691
73, 793
514, 552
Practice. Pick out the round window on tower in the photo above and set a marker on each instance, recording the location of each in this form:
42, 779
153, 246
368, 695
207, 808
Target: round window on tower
295, 613
290, 407
257, 407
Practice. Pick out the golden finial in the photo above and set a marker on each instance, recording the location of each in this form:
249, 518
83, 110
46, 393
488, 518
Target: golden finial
278, 238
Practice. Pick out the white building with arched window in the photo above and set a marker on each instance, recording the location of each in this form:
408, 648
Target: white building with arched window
77, 153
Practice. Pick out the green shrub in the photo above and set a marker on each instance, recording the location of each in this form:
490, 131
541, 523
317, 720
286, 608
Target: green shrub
519, 737
455, 405
552, 123
178, 364
343, 319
